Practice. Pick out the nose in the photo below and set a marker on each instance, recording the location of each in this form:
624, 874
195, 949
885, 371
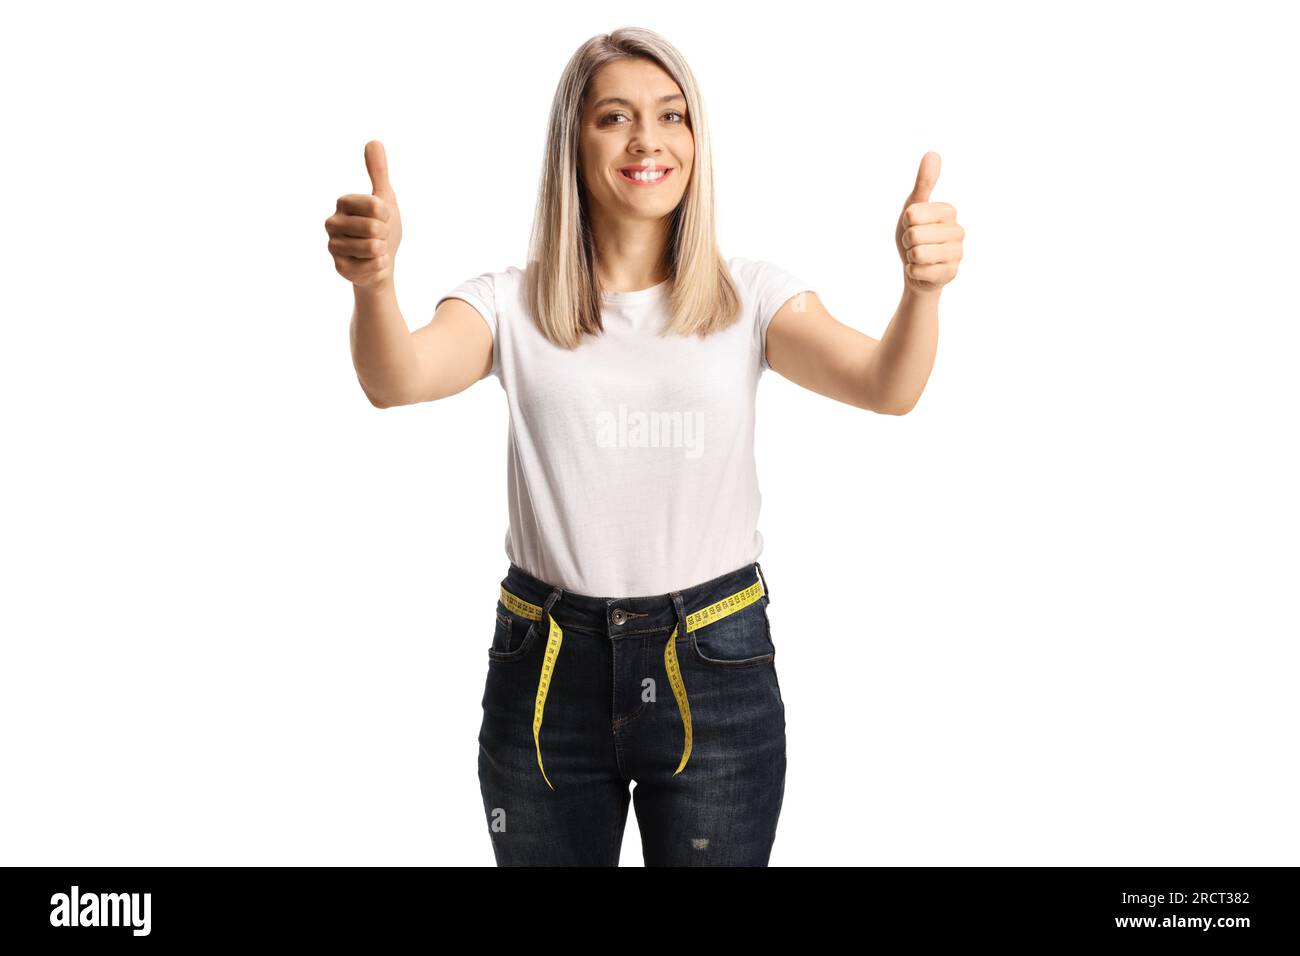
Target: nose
644, 139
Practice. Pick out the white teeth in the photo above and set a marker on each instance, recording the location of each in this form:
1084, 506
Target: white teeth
647, 176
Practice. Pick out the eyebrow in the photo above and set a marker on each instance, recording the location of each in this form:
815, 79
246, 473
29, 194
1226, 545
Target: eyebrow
628, 103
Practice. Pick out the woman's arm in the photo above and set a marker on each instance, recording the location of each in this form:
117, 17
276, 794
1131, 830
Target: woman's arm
811, 348
382, 352
399, 367
394, 365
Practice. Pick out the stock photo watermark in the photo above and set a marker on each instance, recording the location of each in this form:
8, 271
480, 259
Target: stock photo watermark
101, 910
626, 428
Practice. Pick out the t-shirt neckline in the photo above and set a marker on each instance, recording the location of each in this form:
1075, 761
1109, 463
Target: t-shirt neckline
638, 295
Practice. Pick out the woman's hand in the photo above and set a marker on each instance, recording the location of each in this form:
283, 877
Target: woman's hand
928, 236
365, 231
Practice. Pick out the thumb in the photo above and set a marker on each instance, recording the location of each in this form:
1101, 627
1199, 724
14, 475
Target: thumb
377, 166
926, 177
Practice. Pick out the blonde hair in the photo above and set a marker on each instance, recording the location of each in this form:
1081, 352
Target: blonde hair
562, 289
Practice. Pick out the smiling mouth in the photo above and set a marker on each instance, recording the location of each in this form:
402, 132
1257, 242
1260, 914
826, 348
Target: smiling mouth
645, 177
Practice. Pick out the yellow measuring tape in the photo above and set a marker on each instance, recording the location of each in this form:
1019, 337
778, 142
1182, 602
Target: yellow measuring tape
701, 618
534, 613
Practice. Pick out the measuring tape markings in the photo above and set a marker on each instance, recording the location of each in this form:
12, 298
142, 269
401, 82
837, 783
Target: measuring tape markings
679, 692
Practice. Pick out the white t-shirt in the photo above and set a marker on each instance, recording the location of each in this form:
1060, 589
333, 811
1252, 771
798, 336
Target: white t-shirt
631, 458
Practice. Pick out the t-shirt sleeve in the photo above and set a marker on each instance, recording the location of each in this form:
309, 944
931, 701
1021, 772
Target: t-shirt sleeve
481, 292
770, 287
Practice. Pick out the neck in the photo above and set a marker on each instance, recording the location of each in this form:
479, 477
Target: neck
631, 254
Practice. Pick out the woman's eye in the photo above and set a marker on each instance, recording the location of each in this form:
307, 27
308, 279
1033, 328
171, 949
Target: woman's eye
607, 120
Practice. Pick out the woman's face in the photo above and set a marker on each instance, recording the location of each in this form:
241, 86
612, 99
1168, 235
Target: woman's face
634, 120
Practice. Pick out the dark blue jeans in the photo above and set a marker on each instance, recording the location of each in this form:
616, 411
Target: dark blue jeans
611, 717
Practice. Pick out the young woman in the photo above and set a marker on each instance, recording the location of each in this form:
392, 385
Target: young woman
631, 639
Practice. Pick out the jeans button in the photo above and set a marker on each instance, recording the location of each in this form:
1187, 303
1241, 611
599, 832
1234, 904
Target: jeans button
619, 616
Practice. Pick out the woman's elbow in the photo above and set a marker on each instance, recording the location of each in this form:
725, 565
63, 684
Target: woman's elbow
885, 406
383, 398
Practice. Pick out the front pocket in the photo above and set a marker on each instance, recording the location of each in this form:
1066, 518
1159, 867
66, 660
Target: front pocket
741, 639
501, 637
513, 635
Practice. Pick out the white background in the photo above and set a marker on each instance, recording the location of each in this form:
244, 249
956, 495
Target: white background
1049, 617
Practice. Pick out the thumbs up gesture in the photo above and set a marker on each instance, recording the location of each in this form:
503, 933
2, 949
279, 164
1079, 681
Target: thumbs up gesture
365, 231
928, 236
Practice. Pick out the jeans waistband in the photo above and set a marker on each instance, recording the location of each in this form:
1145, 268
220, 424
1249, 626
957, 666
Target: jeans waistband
626, 615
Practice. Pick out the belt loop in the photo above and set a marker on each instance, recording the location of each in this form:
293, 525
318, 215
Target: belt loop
679, 610
546, 609
550, 602
764, 580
